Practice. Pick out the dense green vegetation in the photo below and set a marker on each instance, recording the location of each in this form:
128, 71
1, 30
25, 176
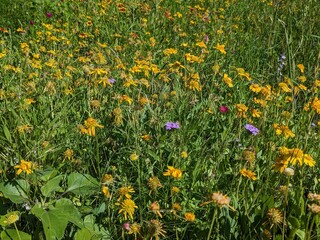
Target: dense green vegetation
159, 119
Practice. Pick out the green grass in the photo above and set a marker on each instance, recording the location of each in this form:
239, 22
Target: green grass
82, 156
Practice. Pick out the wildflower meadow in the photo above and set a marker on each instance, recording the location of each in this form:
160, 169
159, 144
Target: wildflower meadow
159, 119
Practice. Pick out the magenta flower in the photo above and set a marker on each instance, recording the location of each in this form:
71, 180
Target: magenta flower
172, 125
49, 14
224, 109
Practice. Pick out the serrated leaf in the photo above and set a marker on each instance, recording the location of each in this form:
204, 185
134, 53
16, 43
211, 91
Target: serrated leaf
16, 191
52, 186
10, 234
82, 184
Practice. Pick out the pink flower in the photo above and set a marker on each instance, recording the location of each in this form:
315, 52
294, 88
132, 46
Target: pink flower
126, 226
223, 109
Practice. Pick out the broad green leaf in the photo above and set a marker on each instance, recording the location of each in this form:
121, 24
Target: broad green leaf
16, 191
56, 219
293, 222
86, 234
51, 186
10, 234
82, 184
48, 174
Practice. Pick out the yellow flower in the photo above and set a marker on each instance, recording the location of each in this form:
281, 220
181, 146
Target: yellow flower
220, 48
241, 110
256, 113
175, 190
125, 192
134, 157
106, 192
255, 88
189, 217
284, 87
242, 73
29, 101
227, 80
249, 174
169, 51
301, 67
90, 125
107, 179
24, 166
283, 129
68, 154
173, 172
127, 208
316, 105
184, 154
154, 183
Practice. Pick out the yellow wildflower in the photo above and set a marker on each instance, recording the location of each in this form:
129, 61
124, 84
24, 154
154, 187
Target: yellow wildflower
91, 124
189, 217
173, 172
227, 80
24, 166
220, 48
128, 207
249, 174
125, 192
301, 67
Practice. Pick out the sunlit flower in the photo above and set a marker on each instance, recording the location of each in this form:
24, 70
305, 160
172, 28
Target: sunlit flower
189, 217
220, 48
249, 174
128, 207
105, 191
173, 172
134, 157
227, 80
90, 125
125, 191
282, 129
301, 67
24, 166
184, 154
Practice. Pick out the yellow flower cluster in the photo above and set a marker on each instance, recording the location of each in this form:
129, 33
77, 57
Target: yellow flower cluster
292, 156
173, 172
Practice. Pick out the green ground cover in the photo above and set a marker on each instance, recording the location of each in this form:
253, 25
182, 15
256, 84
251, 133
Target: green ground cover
159, 119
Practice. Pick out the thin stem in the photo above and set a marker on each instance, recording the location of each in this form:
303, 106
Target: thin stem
212, 222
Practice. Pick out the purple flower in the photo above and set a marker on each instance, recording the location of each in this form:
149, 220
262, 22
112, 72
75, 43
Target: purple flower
31, 22
49, 14
172, 125
252, 129
112, 80
126, 226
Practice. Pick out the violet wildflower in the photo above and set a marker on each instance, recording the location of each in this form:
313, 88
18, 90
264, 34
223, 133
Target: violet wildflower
31, 22
112, 80
252, 129
172, 125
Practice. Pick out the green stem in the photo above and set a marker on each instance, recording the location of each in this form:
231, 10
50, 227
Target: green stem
15, 226
212, 222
